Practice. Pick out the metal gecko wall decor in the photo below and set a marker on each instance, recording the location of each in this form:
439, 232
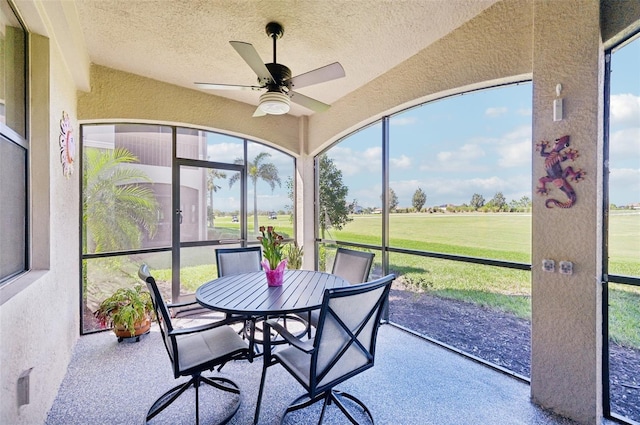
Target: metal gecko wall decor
553, 160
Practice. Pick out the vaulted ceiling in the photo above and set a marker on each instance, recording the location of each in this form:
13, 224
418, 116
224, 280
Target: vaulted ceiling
182, 42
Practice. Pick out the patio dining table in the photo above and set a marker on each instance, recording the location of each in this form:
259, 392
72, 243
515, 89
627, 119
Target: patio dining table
249, 295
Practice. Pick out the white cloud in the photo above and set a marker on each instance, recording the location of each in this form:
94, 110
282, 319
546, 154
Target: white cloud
495, 112
402, 162
399, 121
625, 144
524, 112
466, 152
625, 109
514, 149
224, 152
352, 162
625, 185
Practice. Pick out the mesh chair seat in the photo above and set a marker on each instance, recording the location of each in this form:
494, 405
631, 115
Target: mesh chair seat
197, 349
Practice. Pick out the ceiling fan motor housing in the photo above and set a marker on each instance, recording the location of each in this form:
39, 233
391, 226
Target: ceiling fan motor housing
281, 75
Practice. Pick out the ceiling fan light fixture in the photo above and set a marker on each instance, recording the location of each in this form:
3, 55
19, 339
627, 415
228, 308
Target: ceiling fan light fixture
274, 103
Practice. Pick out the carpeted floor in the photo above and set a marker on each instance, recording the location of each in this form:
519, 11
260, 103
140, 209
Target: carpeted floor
413, 382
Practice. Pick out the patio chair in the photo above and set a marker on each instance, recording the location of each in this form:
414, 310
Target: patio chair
194, 350
353, 266
343, 347
232, 261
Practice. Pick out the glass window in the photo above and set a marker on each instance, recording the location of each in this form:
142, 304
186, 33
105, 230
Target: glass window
269, 201
13, 198
12, 71
13, 146
624, 231
624, 162
350, 192
460, 185
460, 174
208, 146
130, 179
127, 187
103, 276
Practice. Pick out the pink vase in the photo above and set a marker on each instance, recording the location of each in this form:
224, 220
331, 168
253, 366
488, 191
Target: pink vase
275, 277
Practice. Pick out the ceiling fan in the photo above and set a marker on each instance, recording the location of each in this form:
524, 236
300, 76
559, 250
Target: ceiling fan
276, 79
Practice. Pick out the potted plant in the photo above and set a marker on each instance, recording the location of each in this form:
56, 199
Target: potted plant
128, 311
273, 263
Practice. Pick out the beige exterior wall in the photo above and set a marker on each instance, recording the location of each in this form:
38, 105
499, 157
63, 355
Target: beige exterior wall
567, 312
553, 41
120, 96
39, 325
489, 49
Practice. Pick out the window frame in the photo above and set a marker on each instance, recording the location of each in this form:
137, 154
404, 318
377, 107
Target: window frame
7, 287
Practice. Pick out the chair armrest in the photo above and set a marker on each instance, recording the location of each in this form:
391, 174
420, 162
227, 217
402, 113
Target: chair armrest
305, 346
184, 304
205, 327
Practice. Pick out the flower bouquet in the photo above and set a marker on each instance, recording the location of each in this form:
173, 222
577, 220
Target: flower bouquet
273, 264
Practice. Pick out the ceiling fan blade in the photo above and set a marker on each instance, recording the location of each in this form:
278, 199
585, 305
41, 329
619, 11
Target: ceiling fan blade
307, 102
226, 86
252, 58
259, 113
320, 75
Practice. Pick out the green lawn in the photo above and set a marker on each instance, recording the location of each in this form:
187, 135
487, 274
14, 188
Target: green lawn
495, 236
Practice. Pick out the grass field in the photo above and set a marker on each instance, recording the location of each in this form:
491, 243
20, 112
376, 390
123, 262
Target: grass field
495, 236
492, 236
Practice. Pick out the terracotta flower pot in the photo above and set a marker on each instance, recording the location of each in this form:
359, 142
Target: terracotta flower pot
140, 328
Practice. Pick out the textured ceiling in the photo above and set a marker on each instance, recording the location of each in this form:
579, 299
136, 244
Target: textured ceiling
181, 42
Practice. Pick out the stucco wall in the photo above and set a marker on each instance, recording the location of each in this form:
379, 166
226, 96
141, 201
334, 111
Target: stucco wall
489, 48
39, 325
566, 335
555, 41
121, 96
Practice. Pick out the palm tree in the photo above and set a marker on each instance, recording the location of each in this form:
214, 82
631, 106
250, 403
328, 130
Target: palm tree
257, 169
115, 206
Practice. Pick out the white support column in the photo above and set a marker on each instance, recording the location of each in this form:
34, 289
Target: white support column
305, 186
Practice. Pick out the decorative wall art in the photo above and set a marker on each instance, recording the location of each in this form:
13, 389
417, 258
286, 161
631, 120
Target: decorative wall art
67, 145
553, 160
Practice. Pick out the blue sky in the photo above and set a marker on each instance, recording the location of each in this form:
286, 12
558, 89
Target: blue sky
480, 142
452, 148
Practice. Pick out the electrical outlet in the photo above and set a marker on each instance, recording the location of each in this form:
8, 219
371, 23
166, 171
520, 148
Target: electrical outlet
566, 267
548, 265
23, 387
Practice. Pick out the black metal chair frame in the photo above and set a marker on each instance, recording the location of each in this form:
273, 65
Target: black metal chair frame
169, 337
326, 392
310, 316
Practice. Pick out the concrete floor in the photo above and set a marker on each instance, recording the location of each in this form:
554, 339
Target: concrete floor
412, 382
